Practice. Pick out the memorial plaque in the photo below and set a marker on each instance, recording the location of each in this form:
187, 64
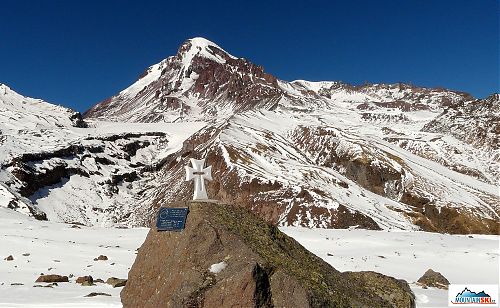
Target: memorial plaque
171, 219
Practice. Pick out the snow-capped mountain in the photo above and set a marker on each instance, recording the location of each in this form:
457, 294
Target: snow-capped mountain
201, 82
204, 82
319, 154
325, 154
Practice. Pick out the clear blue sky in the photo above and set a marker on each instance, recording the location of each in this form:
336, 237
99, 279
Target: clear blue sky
77, 53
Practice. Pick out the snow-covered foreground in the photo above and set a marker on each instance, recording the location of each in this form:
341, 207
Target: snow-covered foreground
56, 248
407, 255
66, 250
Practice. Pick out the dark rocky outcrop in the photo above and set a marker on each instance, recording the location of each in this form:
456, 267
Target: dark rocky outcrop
77, 120
227, 257
33, 180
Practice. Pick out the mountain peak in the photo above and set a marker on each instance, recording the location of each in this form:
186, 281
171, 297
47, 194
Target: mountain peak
4, 86
6, 90
199, 46
201, 42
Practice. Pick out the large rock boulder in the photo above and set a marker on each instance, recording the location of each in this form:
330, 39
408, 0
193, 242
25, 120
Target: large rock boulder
227, 257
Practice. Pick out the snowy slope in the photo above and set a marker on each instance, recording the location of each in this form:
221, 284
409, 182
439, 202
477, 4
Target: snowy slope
54, 166
91, 175
476, 122
315, 170
21, 112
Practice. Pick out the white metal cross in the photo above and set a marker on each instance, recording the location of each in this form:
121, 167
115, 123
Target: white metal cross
199, 175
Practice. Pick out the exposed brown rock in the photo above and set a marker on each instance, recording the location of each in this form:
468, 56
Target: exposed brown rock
101, 258
9, 258
264, 268
287, 292
452, 220
85, 280
116, 282
391, 289
52, 278
434, 279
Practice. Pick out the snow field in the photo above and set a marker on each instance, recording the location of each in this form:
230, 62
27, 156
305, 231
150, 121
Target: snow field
407, 255
56, 248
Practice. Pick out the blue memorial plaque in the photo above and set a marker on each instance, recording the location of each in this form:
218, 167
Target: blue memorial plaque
171, 219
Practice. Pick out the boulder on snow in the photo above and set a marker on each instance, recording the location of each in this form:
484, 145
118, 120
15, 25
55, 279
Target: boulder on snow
101, 258
97, 294
52, 278
85, 280
433, 279
9, 258
227, 257
46, 286
116, 282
